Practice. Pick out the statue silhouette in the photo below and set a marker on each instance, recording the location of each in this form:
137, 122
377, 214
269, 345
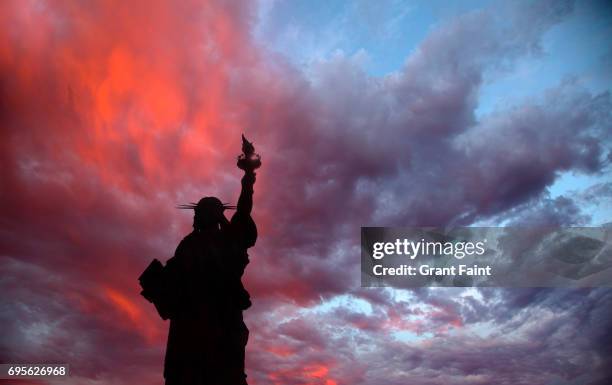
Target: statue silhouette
201, 292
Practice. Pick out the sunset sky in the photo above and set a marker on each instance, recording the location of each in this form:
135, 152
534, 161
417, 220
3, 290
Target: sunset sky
365, 113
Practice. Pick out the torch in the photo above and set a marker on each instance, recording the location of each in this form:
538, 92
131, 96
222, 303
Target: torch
248, 161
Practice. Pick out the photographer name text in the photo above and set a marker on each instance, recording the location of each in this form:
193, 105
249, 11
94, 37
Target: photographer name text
426, 270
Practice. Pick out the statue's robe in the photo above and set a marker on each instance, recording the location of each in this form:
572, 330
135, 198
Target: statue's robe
207, 336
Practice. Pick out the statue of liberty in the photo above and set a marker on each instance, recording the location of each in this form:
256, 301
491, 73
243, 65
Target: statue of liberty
201, 292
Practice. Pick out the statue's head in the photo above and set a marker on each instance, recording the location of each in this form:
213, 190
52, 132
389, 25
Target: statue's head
208, 212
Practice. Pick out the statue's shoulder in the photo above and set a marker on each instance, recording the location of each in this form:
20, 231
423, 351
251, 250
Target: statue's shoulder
189, 237
186, 243
183, 251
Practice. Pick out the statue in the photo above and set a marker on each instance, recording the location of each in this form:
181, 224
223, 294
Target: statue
201, 292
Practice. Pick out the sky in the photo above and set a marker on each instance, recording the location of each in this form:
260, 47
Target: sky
365, 114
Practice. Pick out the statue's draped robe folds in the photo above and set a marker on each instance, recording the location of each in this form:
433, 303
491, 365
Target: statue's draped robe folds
207, 336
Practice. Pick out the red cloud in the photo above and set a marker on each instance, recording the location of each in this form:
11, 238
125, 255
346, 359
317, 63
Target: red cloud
114, 112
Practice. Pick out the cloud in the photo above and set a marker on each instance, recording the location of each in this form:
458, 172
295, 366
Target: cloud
112, 115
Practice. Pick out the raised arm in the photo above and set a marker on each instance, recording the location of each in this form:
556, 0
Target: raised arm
242, 224
248, 161
245, 201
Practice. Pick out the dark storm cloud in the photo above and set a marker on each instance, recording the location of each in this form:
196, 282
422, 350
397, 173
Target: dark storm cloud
407, 149
106, 130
